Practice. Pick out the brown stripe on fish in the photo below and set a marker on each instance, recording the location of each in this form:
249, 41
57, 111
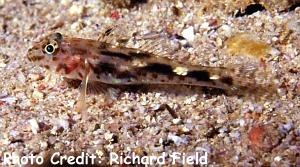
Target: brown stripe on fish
125, 74
158, 68
102, 67
199, 75
115, 54
179, 73
115, 74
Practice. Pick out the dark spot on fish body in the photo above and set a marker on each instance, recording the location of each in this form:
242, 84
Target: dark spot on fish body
125, 74
158, 68
112, 71
199, 75
47, 67
54, 58
104, 68
115, 54
227, 80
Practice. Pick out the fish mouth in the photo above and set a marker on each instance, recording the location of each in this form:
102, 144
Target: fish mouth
32, 56
29, 54
35, 58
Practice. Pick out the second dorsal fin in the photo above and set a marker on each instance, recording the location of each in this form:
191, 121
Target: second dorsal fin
157, 44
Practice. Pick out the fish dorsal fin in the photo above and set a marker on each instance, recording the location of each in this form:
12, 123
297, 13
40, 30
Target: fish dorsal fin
114, 35
158, 46
153, 43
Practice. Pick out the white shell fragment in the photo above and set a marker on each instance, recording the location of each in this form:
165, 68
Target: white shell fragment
189, 34
34, 125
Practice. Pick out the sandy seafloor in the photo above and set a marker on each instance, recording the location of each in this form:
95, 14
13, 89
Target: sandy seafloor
37, 109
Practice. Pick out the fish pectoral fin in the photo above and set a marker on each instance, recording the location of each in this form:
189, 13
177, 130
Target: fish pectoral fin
81, 104
93, 87
96, 87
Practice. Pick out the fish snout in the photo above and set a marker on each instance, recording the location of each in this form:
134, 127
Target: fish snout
33, 54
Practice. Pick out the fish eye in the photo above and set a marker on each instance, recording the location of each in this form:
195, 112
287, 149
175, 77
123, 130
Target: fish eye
49, 49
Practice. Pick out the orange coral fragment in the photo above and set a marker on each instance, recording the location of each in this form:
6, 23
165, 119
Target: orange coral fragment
245, 45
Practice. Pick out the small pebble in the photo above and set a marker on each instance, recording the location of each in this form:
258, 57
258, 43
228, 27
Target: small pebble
177, 121
65, 2
2, 2
185, 129
37, 95
34, 125
77, 26
188, 33
35, 77
2, 65
274, 52
76, 10
61, 123
227, 30
43, 144
21, 78
177, 139
285, 128
205, 25
277, 158
9, 99
242, 122
108, 136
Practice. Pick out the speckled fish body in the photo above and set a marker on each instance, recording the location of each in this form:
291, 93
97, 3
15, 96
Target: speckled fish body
119, 65
99, 64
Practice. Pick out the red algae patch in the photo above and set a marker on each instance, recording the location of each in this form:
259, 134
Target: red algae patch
263, 138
